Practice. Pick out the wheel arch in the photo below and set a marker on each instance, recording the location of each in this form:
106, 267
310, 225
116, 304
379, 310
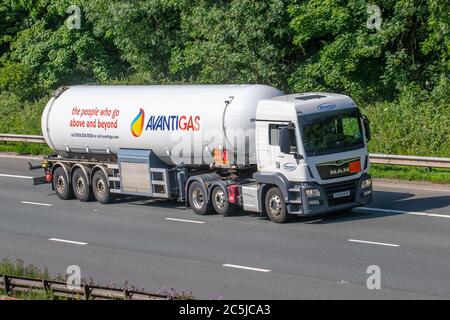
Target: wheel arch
99, 168
220, 184
274, 180
66, 169
86, 170
206, 182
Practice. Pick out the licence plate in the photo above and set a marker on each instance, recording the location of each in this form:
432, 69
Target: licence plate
341, 194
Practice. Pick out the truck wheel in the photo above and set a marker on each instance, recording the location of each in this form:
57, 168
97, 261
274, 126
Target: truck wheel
275, 206
81, 187
61, 184
220, 202
198, 199
100, 187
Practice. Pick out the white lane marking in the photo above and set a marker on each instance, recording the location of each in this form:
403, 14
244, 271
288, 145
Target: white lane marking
37, 203
245, 268
14, 176
68, 241
429, 214
377, 243
436, 215
183, 220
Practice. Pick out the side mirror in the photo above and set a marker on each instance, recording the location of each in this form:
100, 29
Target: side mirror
287, 143
367, 127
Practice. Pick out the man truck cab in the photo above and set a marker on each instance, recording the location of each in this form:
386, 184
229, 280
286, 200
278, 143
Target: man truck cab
313, 148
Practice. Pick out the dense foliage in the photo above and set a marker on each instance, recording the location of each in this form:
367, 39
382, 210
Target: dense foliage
395, 65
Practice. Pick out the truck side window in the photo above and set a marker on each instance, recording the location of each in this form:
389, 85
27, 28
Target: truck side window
273, 134
292, 141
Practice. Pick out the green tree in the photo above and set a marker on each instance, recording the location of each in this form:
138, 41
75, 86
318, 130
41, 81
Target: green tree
143, 32
342, 54
240, 41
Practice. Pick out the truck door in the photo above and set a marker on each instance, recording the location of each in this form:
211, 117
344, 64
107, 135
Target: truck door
283, 148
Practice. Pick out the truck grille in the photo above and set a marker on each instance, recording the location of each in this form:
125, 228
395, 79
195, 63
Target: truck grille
331, 189
340, 168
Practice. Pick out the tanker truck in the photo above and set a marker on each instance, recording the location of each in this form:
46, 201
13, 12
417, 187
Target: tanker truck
215, 148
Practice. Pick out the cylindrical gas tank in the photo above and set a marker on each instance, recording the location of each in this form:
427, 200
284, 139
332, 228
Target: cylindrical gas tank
179, 123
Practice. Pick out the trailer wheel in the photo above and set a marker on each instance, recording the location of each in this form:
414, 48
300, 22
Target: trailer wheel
61, 184
220, 202
275, 206
81, 187
198, 199
100, 187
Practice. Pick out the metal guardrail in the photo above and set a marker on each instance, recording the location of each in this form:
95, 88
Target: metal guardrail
413, 161
21, 138
86, 292
377, 158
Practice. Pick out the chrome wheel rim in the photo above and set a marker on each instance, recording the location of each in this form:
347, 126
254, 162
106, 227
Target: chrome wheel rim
80, 185
60, 184
275, 206
219, 199
100, 188
197, 198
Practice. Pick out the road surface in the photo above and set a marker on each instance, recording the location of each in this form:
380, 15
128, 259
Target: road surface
155, 245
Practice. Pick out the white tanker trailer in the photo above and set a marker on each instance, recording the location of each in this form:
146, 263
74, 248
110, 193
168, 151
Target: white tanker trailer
214, 147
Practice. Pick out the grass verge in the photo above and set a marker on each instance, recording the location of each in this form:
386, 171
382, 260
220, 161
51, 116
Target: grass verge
25, 148
19, 269
434, 175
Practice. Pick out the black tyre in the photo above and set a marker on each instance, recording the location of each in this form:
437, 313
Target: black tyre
275, 206
81, 187
61, 184
100, 188
220, 202
198, 199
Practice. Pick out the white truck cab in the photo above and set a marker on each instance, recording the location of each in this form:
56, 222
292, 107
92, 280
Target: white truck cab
313, 147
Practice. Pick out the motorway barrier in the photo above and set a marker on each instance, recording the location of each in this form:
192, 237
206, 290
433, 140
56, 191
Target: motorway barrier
413, 161
85, 292
21, 138
376, 158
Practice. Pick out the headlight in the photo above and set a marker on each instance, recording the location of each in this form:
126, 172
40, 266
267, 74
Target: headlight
366, 184
312, 193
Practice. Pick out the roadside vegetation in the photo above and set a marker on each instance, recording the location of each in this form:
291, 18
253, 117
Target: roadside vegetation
398, 72
19, 269
25, 148
433, 175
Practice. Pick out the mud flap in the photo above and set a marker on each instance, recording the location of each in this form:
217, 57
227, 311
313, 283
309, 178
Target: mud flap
39, 180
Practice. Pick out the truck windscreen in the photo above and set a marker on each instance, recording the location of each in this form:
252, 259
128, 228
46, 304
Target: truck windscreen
331, 132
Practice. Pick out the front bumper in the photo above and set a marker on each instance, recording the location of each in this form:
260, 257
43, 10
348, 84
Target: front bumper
328, 202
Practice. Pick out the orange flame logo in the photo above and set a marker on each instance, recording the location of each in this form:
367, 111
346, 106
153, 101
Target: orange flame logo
138, 124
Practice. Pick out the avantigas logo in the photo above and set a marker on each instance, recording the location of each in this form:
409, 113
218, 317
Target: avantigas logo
164, 123
173, 123
138, 123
